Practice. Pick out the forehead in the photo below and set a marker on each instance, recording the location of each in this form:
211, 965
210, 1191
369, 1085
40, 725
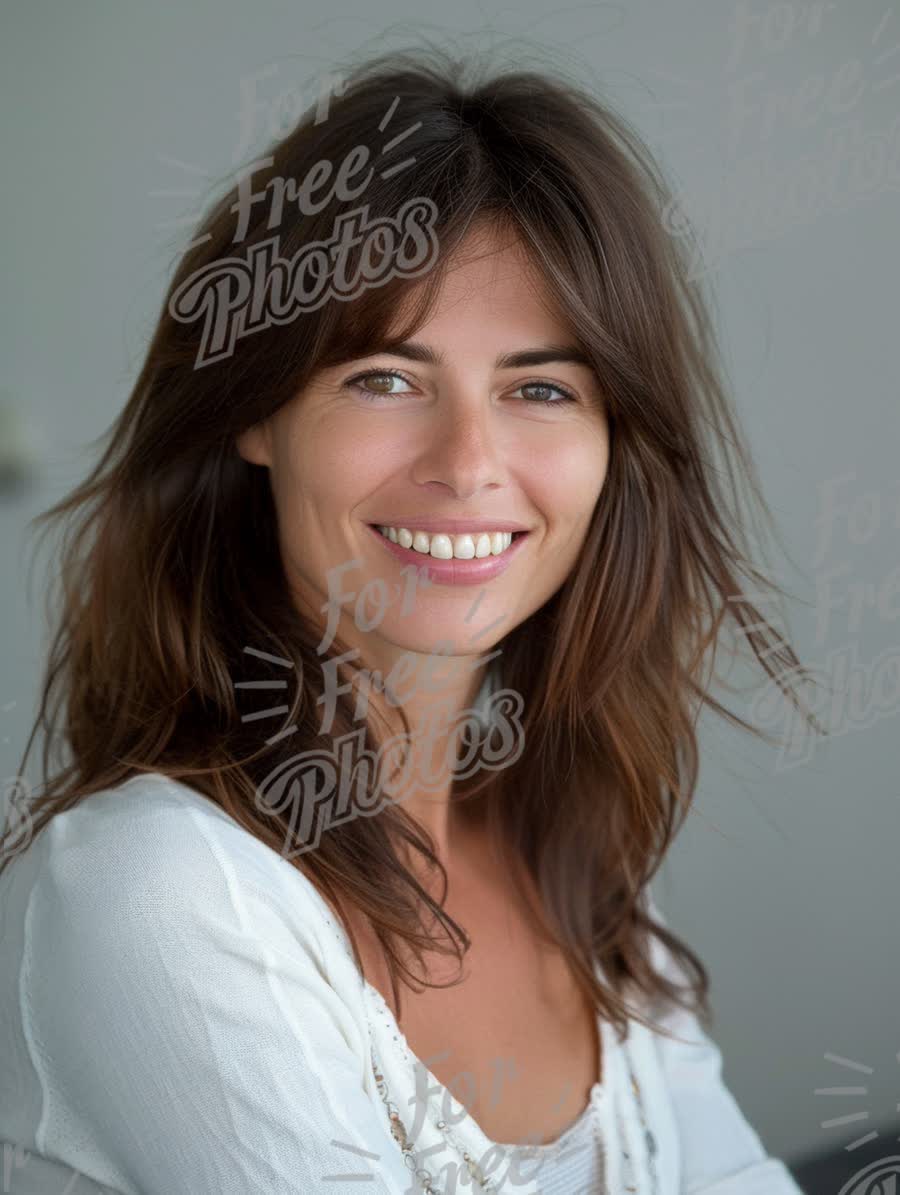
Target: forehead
490, 283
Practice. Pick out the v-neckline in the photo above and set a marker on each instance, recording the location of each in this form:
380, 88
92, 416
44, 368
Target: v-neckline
608, 1045
600, 1097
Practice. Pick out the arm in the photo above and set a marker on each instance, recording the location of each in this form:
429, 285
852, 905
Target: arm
721, 1152
183, 1024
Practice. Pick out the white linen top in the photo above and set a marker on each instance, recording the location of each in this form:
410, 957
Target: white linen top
181, 1014
575, 1163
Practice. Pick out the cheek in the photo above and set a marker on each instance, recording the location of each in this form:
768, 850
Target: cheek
345, 468
328, 466
566, 478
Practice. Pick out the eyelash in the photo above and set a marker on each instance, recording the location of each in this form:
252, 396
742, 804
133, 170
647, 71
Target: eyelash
371, 395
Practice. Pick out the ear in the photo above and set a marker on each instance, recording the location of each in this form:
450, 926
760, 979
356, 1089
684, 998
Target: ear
253, 444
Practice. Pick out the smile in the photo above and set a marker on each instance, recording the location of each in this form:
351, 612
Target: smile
441, 546
450, 569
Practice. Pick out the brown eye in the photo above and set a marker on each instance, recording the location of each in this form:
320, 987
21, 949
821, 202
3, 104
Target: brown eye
381, 377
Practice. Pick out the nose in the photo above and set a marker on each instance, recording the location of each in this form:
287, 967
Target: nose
465, 450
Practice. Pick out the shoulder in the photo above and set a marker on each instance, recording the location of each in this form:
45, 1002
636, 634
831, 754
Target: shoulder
152, 855
172, 957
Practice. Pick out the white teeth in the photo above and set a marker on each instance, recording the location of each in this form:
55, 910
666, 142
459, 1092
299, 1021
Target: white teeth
448, 547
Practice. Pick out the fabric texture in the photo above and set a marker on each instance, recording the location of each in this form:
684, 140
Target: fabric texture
182, 1015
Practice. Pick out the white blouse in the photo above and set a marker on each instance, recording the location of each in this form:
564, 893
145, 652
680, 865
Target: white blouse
181, 1015
574, 1164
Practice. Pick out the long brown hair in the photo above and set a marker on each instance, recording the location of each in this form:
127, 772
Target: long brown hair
172, 568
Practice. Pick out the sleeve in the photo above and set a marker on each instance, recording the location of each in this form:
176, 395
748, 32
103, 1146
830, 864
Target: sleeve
186, 1029
721, 1153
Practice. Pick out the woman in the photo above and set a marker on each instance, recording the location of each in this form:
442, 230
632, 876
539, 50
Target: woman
380, 652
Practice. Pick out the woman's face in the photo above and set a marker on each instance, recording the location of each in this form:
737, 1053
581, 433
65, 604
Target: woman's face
458, 438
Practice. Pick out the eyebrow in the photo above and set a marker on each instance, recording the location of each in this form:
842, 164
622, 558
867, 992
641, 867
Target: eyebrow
570, 354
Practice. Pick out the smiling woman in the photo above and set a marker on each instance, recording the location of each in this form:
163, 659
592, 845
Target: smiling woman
464, 440
206, 970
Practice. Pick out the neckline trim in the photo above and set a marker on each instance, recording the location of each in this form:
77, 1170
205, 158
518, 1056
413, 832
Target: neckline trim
439, 1093
610, 1050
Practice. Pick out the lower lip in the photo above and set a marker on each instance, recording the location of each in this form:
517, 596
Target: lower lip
454, 572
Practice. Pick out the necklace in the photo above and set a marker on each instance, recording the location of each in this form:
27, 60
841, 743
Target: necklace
426, 1179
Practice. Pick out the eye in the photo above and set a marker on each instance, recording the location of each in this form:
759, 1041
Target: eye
369, 394
567, 395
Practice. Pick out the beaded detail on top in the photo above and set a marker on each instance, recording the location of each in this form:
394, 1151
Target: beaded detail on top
548, 1155
424, 1176
647, 1142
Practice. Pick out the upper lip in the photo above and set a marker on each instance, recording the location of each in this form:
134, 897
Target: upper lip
451, 526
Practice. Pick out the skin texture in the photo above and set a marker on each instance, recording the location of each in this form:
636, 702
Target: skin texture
461, 439
458, 439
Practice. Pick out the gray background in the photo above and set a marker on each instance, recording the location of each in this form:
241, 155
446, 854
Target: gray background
785, 879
